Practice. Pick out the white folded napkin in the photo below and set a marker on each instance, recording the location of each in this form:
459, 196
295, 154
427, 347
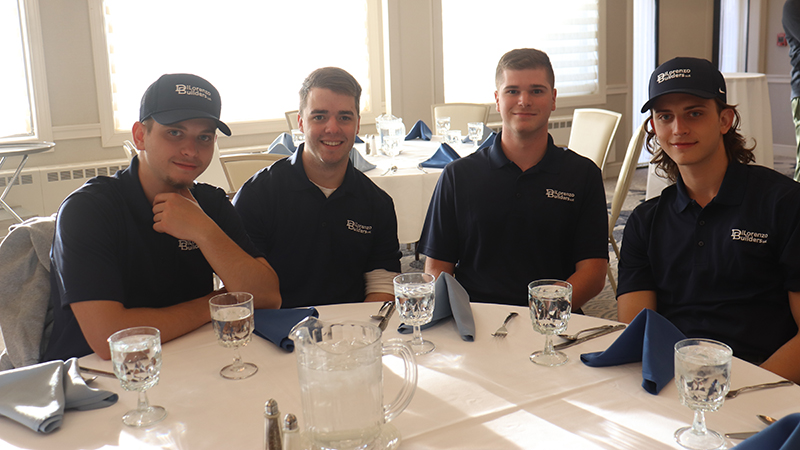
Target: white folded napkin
36, 396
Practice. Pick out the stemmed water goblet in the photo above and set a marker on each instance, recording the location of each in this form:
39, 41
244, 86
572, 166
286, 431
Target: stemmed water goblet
475, 131
550, 304
232, 318
702, 374
136, 357
415, 299
442, 126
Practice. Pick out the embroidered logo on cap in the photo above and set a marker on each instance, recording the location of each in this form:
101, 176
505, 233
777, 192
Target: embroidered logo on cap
184, 89
676, 73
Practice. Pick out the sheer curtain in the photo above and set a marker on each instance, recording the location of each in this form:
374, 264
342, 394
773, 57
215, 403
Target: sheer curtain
733, 36
644, 59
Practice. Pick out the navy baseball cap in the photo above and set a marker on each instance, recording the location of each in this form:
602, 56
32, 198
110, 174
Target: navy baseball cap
177, 97
693, 76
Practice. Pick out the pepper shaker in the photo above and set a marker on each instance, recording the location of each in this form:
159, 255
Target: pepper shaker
273, 439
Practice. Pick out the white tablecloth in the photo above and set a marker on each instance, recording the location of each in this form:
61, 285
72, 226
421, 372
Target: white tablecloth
750, 93
484, 394
409, 186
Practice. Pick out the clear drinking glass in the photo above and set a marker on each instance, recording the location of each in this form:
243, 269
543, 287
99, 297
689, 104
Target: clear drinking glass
475, 131
298, 137
415, 299
453, 137
703, 377
136, 356
232, 317
442, 125
551, 305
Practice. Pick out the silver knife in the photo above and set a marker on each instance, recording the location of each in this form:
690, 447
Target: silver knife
386, 317
743, 435
591, 336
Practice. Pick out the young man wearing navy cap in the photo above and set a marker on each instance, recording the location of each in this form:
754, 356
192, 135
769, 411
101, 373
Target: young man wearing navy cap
326, 228
521, 209
140, 248
717, 252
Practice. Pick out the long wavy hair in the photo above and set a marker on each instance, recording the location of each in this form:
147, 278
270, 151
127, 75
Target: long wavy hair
735, 145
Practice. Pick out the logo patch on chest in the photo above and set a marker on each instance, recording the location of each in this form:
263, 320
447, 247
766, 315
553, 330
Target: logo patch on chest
352, 225
560, 195
748, 236
185, 245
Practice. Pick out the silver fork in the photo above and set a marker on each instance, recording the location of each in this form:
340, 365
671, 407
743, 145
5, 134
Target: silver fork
503, 331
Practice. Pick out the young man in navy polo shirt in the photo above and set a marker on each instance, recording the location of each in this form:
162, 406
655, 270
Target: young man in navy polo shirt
328, 231
522, 209
717, 252
141, 247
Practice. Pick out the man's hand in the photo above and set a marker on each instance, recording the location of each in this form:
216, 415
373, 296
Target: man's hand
179, 215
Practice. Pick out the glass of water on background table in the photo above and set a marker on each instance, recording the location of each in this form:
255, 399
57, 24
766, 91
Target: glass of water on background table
475, 131
415, 299
232, 317
550, 303
442, 126
703, 377
136, 356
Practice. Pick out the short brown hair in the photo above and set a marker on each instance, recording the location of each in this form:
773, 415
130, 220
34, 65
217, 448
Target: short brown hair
521, 59
735, 145
335, 79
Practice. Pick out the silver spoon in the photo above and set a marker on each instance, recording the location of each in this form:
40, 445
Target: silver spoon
381, 312
735, 392
88, 380
392, 169
574, 337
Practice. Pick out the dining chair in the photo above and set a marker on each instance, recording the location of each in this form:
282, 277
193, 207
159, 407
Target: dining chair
240, 167
460, 114
593, 132
291, 120
621, 190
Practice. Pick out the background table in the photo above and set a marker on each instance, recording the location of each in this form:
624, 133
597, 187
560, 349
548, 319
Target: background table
470, 395
750, 93
24, 149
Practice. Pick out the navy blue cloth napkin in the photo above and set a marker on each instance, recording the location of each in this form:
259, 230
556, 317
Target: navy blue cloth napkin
282, 145
359, 140
359, 162
444, 155
451, 300
650, 338
488, 141
486, 133
36, 396
274, 325
781, 435
419, 131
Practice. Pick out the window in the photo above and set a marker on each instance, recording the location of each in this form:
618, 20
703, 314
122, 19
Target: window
24, 115
255, 53
568, 31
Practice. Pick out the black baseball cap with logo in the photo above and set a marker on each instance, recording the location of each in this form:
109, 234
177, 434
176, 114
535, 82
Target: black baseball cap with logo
693, 76
177, 97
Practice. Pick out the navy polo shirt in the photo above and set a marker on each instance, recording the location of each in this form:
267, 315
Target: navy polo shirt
105, 248
319, 246
723, 271
505, 228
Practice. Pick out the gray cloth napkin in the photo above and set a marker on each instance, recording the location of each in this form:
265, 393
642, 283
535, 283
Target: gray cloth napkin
36, 396
359, 162
451, 300
282, 145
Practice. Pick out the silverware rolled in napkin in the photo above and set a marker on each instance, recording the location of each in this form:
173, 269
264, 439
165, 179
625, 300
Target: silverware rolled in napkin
736, 392
589, 337
388, 315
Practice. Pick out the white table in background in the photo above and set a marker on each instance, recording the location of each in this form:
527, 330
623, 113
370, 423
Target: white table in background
750, 93
470, 395
24, 149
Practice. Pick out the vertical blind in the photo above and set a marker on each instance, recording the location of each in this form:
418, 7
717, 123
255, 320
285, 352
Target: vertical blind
476, 34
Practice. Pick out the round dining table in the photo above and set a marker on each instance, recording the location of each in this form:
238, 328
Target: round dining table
481, 394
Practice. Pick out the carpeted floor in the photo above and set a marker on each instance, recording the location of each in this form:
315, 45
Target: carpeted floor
604, 304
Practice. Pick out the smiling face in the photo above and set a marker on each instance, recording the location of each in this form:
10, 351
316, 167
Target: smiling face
690, 130
171, 157
330, 122
525, 98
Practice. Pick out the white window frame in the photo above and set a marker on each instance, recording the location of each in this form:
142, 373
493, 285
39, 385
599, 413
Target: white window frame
33, 51
597, 98
110, 137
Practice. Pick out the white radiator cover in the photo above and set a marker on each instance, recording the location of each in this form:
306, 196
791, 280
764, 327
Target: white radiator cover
560, 127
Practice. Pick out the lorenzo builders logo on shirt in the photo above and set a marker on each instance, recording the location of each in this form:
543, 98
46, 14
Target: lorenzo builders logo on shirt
184, 245
559, 195
748, 236
352, 225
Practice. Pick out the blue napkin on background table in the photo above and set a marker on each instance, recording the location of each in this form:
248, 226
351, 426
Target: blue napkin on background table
451, 300
36, 396
444, 155
274, 325
282, 145
359, 162
488, 141
781, 435
650, 338
486, 133
419, 131
359, 140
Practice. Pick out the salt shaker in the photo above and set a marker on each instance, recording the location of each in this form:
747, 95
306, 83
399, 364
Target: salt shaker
291, 436
273, 439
